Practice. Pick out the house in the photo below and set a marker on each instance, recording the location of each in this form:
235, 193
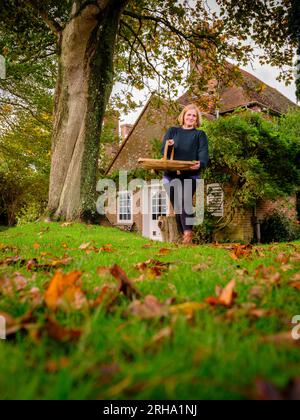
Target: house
250, 93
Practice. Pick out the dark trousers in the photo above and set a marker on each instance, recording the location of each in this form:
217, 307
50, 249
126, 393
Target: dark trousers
181, 197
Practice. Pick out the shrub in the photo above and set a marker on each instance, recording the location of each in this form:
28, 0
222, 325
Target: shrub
277, 227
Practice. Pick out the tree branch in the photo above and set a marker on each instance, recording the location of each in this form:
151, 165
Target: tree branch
50, 22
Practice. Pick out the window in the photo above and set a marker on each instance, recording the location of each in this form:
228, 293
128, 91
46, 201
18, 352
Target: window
159, 204
125, 207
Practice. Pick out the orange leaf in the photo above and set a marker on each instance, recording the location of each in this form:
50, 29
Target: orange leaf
65, 290
227, 295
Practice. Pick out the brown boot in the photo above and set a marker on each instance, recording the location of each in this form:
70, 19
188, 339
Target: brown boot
188, 237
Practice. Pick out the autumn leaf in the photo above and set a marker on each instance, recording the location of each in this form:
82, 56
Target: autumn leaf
12, 261
65, 291
151, 269
228, 294
164, 251
34, 265
187, 308
150, 308
107, 297
125, 285
241, 251
200, 267
59, 333
225, 296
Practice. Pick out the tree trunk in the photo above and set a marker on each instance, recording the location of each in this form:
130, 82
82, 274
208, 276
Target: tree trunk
83, 88
169, 229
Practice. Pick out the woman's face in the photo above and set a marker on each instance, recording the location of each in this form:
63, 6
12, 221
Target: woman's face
190, 118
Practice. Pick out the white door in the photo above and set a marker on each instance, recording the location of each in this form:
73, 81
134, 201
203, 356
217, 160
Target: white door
158, 207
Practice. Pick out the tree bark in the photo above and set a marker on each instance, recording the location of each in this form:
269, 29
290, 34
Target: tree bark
169, 229
85, 78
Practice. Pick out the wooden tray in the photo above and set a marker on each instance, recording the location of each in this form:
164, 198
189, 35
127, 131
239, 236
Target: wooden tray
164, 164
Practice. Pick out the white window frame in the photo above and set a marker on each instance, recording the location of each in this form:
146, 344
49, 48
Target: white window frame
129, 195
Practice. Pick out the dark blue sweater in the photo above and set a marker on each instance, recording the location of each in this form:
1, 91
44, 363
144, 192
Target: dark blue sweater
188, 145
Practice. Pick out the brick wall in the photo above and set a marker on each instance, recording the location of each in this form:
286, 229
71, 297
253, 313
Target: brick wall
152, 124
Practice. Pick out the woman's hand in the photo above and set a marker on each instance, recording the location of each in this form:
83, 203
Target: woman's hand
171, 142
196, 166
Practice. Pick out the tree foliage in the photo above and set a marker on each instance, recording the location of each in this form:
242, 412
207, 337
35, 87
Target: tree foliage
260, 157
156, 41
24, 167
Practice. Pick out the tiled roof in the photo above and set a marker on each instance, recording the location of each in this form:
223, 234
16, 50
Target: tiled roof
248, 90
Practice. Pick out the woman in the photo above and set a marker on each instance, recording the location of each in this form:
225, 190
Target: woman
189, 144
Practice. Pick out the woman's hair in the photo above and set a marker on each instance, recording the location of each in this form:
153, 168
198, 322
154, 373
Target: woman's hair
189, 108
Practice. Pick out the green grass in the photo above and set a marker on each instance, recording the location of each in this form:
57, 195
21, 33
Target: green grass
211, 356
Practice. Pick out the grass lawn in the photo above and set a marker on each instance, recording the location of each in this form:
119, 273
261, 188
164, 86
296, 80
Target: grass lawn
95, 342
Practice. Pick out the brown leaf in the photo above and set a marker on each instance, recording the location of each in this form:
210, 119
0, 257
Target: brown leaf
162, 335
295, 285
200, 267
164, 251
212, 300
150, 308
12, 261
282, 258
103, 271
224, 296
107, 248
295, 277
295, 257
59, 333
228, 294
33, 265
256, 292
85, 246
65, 291
125, 285
107, 297
241, 251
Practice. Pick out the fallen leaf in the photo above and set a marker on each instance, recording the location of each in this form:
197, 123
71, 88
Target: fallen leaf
164, 251
295, 285
65, 291
150, 308
125, 285
59, 333
200, 267
103, 271
85, 246
241, 251
12, 261
228, 294
162, 335
282, 258
187, 308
